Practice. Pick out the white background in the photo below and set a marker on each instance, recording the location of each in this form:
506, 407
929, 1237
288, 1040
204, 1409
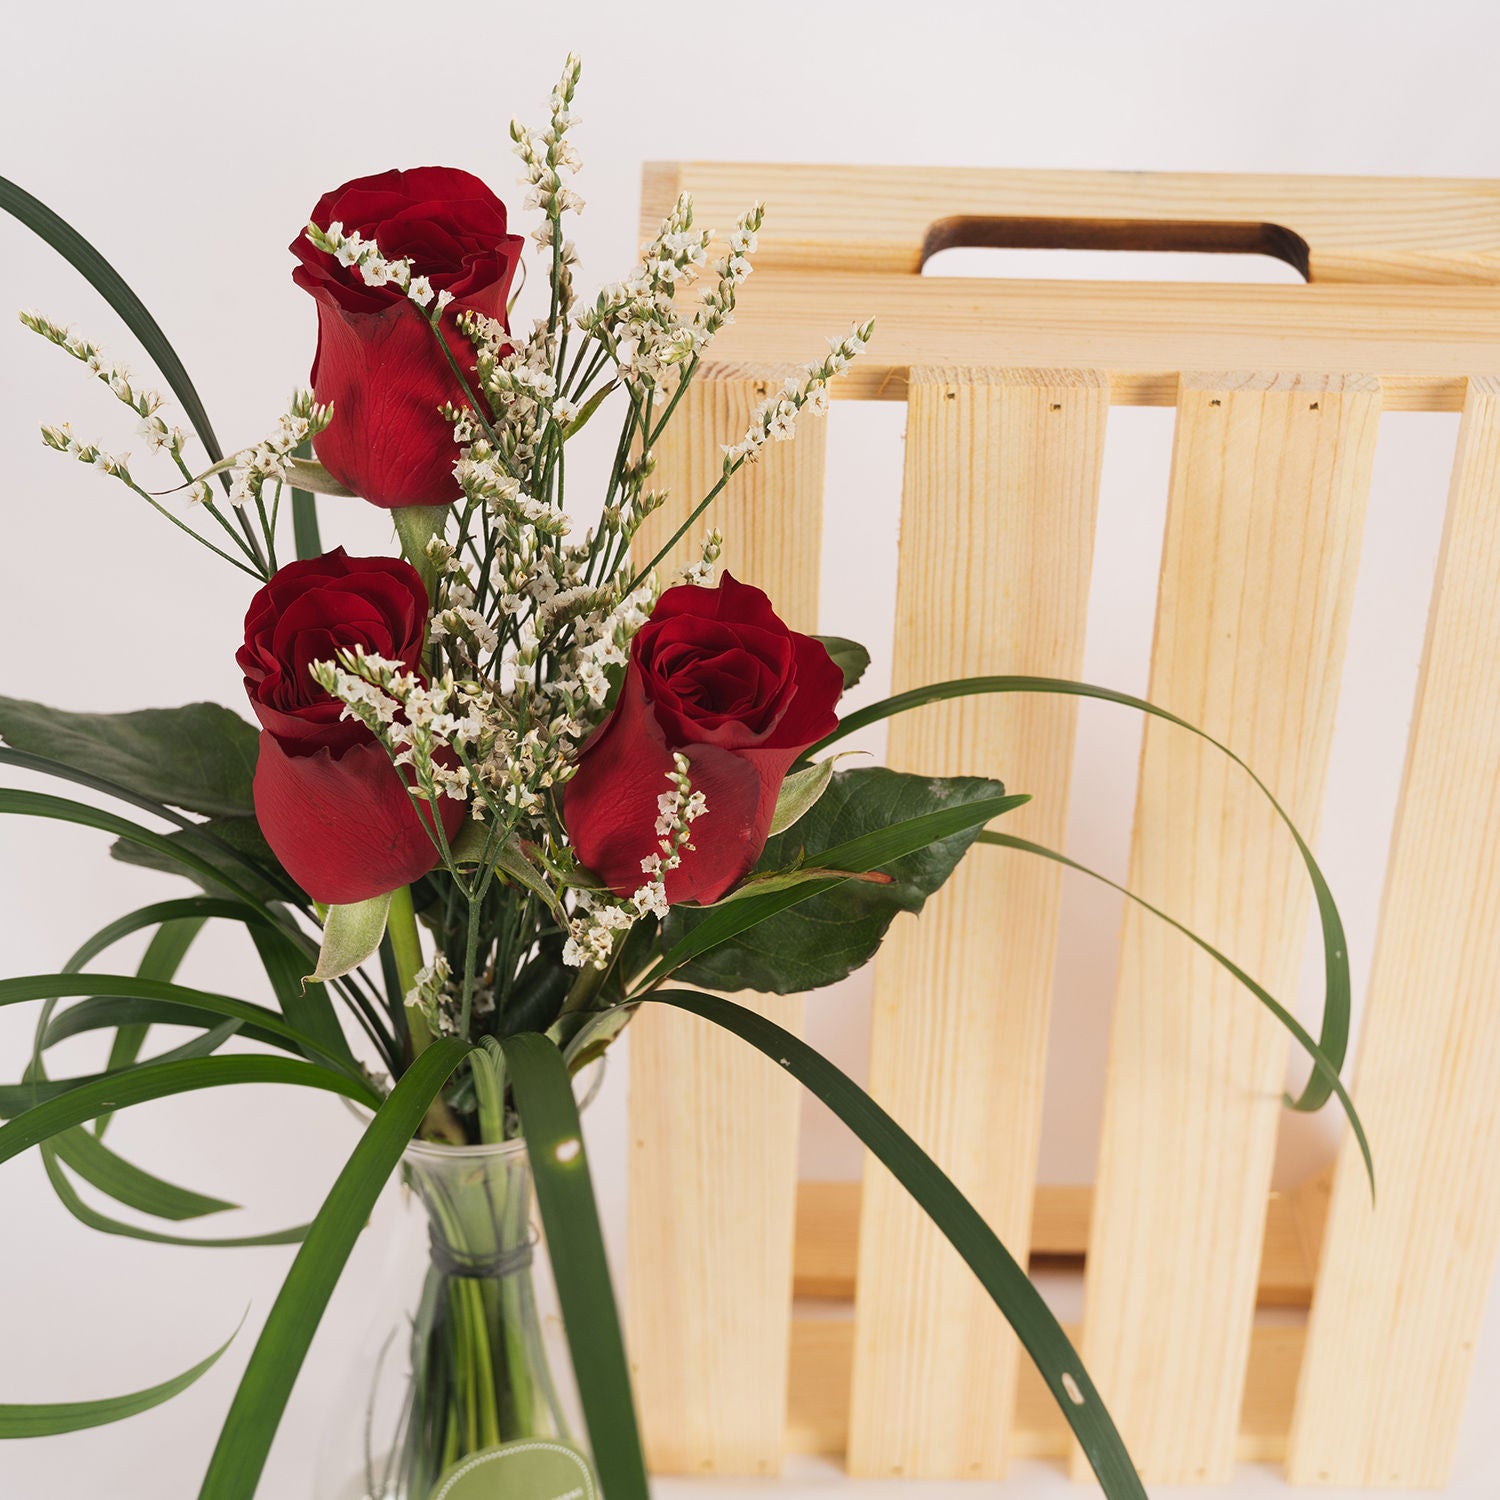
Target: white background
190, 141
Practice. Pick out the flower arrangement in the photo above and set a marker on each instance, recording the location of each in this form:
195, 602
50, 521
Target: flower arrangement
508, 787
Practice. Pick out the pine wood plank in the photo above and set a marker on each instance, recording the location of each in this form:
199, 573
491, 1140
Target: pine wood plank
826, 1251
1000, 491
1268, 485
713, 1125
885, 218
822, 1365
1422, 342
1402, 1289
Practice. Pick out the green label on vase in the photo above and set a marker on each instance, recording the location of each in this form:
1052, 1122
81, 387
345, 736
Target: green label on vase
528, 1469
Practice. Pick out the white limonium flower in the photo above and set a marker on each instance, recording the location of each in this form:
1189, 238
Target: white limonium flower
271, 459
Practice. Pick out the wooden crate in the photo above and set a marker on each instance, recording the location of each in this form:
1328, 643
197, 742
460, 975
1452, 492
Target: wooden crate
1278, 391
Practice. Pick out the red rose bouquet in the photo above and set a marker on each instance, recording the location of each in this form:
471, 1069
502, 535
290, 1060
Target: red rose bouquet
507, 788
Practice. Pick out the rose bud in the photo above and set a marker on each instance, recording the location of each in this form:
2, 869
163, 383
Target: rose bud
716, 675
377, 360
327, 796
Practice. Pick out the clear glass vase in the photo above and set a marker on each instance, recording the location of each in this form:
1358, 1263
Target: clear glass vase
465, 1364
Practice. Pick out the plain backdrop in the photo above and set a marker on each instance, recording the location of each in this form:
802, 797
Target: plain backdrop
190, 141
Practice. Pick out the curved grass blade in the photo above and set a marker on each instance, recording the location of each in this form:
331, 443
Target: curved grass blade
1333, 1036
49, 1419
126, 1183
159, 1080
68, 1196
17, 1098
159, 914
44, 805
132, 987
240, 1455
868, 852
1005, 1281
570, 1217
1320, 1061
110, 285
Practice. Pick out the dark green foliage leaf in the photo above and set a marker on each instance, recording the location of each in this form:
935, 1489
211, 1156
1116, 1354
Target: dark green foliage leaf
200, 757
1052, 1353
826, 937
51, 1418
570, 1217
848, 656
234, 1471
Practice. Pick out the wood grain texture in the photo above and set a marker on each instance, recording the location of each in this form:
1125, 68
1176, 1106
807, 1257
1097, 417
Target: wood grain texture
713, 1124
1422, 342
1269, 477
823, 1358
826, 1252
1000, 492
879, 218
1402, 1286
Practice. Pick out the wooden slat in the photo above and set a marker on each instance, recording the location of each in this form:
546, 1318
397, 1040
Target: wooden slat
1002, 472
882, 218
1422, 342
823, 1356
1402, 1288
1269, 477
827, 1244
713, 1125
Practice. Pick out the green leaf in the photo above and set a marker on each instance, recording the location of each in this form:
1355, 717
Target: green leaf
575, 1245
827, 931
1320, 1061
49, 1419
305, 513
351, 934
1008, 1285
158, 1080
17, 1098
798, 794
132, 987
234, 1471
110, 285
127, 1183
200, 757
229, 855
848, 656
42, 805
307, 1007
1334, 1033
67, 1195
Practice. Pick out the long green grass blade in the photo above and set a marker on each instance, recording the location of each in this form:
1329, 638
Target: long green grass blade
44, 805
868, 852
50, 1418
235, 1468
132, 987
127, 1183
1005, 1281
158, 1080
1333, 1036
1319, 1060
110, 285
68, 1196
575, 1244
305, 514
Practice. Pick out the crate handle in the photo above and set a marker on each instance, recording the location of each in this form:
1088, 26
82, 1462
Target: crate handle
1026, 232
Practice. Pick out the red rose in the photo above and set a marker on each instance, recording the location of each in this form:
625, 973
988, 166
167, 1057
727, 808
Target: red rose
716, 675
377, 360
327, 797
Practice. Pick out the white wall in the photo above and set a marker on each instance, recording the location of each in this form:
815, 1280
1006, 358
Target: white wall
190, 142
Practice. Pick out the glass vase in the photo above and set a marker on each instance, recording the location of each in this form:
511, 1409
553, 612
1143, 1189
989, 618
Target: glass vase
463, 1383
